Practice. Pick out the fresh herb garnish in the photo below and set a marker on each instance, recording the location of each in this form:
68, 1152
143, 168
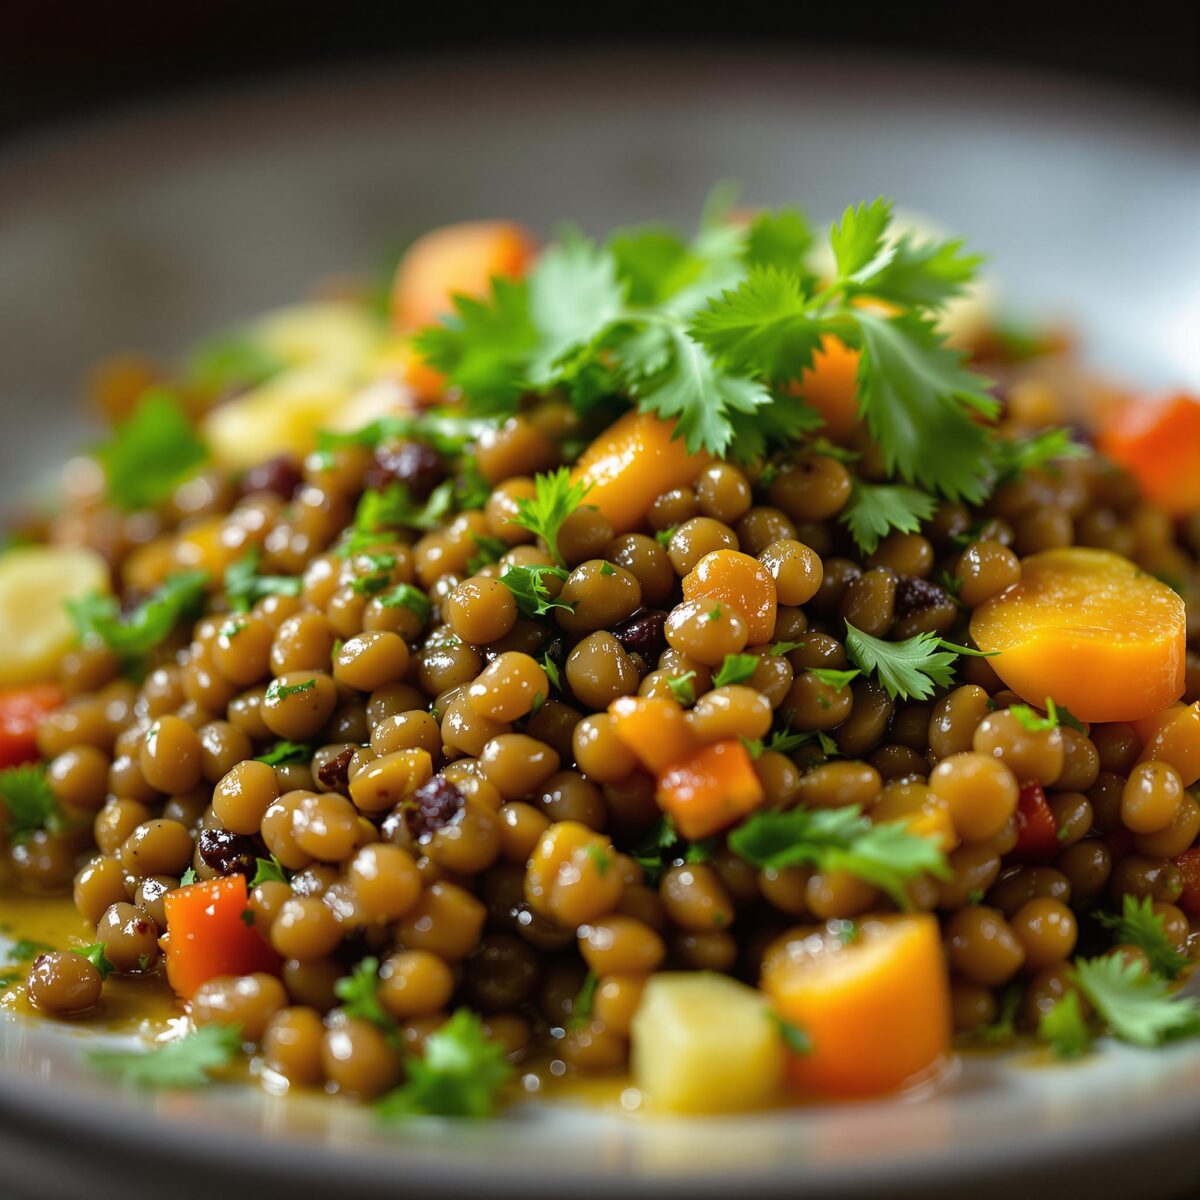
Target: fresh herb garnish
1064, 1029
380, 512
278, 690
134, 634
555, 498
585, 1002
244, 586
177, 1064
359, 994
552, 672
231, 362
29, 801
459, 1075
1139, 925
96, 956
445, 432
683, 688
832, 678
404, 595
283, 753
188, 877
875, 509
1012, 457
151, 452
794, 1038
1004, 1029
910, 669
527, 584
269, 870
736, 668
1137, 1005
888, 855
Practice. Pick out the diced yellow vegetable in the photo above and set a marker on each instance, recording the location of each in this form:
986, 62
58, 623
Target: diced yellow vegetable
281, 416
703, 1042
341, 334
35, 583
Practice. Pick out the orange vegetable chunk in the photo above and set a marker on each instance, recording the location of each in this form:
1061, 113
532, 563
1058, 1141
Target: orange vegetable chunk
710, 790
876, 1010
830, 385
209, 936
654, 728
1089, 629
1176, 741
456, 260
634, 460
1159, 445
21, 711
733, 578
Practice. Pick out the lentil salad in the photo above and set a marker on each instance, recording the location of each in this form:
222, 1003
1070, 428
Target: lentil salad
664, 656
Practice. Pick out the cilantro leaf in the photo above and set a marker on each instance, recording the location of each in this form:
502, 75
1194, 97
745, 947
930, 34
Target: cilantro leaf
918, 401
764, 327
918, 274
778, 239
29, 801
874, 510
555, 498
183, 1063
269, 870
394, 508
858, 238
552, 672
230, 362
151, 452
585, 1001
359, 994
1012, 457
794, 1038
1064, 1029
1004, 1028
459, 1075
698, 396
1141, 926
96, 956
446, 432
1031, 719
653, 263
278, 690
683, 688
483, 348
286, 752
135, 633
244, 586
527, 584
1137, 1005
910, 669
189, 877
736, 668
887, 855
404, 595
833, 678
649, 852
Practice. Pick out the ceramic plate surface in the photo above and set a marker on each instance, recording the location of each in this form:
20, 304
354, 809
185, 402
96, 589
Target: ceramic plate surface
141, 232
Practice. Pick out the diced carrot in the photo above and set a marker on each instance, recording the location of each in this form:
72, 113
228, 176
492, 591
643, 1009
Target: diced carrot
654, 728
208, 935
1090, 629
1189, 871
733, 578
634, 460
1037, 831
830, 385
1176, 741
1159, 445
876, 1009
456, 260
710, 790
21, 709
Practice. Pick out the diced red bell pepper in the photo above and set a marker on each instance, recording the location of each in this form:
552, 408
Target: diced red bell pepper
21, 710
1189, 870
1037, 832
208, 935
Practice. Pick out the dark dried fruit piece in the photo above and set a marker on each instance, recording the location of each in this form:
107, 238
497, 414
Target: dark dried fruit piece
227, 853
914, 595
642, 633
432, 806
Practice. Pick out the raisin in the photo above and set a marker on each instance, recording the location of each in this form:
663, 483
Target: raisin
227, 853
334, 773
914, 595
417, 466
279, 475
642, 633
433, 806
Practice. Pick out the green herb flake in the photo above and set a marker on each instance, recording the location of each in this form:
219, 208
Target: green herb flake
404, 595
555, 498
1139, 925
736, 668
528, 586
683, 688
1064, 1029
794, 1038
244, 586
96, 956
359, 994
1137, 1005
911, 669
269, 870
29, 802
278, 690
184, 1063
134, 634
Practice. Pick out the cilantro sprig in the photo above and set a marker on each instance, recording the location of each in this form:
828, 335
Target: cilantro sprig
459, 1075
186, 1062
708, 334
29, 802
888, 855
135, 633
735, 668
1136, 1004
244, 586
874, 510
910, 669
529, 589
1139, 925
555, 498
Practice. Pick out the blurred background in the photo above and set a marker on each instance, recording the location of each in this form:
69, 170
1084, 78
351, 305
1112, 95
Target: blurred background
168, 170
69, 58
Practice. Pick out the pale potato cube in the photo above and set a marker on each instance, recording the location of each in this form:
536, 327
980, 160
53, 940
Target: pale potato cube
35, 583
336, 333
705, 1043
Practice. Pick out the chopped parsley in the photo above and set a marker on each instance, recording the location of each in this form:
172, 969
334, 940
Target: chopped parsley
1064, 1029
1136, 1004
832, 678
183, 1063
29, 801
269, 870
445, 432
283, 753
359, 994
96, 956
134, 634
683, 688
404, 595
736, 668
528, 586
887, 855
151, 452
278, 690
585, 1001
459, 1075
244, 586
1139, 925
794, 1038
875, 509
555, 498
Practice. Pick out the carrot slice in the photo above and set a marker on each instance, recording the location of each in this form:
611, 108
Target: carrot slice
876, 1008
634, 460
455, 260
710, 790
654, 729
208, 935
733, 578
21, 710
1089, 629
830, 385
1159, 445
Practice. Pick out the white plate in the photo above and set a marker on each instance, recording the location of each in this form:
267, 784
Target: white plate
140, 233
